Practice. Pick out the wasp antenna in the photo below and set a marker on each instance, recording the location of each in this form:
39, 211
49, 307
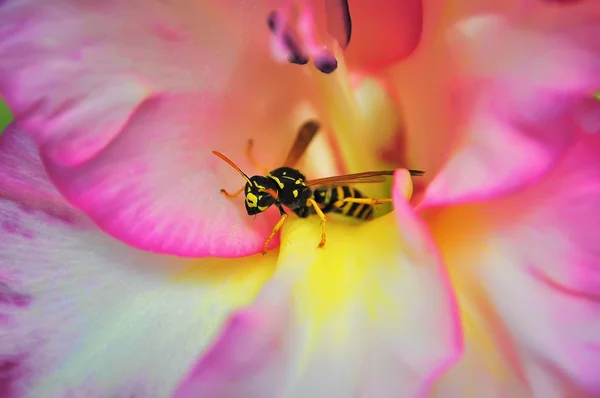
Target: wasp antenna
229, 162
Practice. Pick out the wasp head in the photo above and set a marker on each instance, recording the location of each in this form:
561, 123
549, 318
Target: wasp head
261, 193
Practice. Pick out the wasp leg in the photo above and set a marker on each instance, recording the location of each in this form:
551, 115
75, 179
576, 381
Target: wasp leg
367, 201
250, 155
232, 195
319, 212
276, 228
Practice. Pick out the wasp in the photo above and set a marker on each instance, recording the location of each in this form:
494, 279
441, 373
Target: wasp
288, 187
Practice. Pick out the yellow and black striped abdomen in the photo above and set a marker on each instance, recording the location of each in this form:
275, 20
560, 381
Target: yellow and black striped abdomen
330, 200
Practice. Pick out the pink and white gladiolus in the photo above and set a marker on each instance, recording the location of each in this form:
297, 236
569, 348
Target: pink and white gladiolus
124, 272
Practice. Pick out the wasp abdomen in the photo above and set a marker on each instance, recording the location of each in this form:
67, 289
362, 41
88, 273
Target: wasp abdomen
330, 200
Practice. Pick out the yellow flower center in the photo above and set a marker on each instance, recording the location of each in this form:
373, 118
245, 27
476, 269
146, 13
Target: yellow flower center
344, 277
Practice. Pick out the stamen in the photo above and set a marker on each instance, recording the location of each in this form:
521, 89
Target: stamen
272, 20
294, 53
301, 41
345, 117
296, 56
326, 63
351, 123
323, 59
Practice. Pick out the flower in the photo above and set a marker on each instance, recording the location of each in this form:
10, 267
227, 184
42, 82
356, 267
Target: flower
125, 145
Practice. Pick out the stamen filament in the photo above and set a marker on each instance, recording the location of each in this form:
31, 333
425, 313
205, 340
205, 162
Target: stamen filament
347, 123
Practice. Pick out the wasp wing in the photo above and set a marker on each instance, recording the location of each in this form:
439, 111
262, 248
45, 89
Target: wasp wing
305, 136
358, 178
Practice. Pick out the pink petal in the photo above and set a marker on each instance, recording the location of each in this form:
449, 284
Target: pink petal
370, 315
519, 113
24, 178
157, 188
553, 311
383, 31
421, 83
533, 256
248, 348
126, 102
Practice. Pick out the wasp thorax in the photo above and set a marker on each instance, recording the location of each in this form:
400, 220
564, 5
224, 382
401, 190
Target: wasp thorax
257, 200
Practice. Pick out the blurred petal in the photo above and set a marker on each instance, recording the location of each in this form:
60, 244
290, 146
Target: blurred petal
126, 100
480, 372
421, 83
528, 269
588, 116
383, 31
23, 177
368, 315
519, 112
81, 312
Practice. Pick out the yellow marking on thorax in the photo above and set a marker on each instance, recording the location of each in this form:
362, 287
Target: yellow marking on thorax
295, 192
276, 180
257, 185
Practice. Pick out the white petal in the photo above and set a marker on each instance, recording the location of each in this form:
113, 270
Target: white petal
83, 313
